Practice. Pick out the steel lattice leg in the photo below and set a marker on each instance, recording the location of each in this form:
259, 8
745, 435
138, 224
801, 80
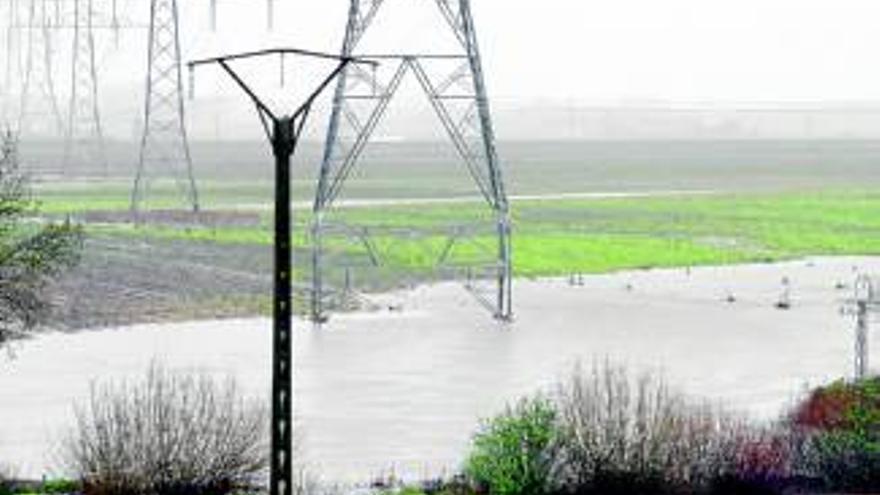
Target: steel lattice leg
861, 348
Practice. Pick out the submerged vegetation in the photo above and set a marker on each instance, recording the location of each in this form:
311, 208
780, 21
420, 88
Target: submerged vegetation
223, 260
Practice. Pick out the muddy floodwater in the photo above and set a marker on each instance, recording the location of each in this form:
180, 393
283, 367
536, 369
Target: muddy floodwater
404, 389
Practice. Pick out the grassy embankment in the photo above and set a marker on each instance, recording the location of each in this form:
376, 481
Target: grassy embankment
557, 237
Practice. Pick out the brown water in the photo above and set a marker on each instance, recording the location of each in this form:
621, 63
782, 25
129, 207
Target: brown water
405, 389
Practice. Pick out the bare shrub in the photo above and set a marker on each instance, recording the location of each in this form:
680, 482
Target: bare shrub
172, 433
624, 435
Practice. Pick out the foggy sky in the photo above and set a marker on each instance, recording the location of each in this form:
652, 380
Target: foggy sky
545, 55
608, 50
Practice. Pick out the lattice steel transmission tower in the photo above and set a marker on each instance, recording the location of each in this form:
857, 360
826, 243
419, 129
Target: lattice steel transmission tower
85, 139
164, 152
39, 111
458, 97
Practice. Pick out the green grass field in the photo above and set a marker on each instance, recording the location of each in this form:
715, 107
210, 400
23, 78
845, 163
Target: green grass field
554, 237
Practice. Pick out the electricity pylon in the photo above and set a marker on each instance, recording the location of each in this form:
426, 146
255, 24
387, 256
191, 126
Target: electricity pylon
39, 113
84, 139
861, 305
164, 152
284, 131
460, 101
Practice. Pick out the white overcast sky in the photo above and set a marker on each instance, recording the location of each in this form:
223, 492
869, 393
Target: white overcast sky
562, 52
617, 50
688, 49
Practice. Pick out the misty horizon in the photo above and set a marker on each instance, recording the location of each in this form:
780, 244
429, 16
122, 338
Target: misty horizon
631, 69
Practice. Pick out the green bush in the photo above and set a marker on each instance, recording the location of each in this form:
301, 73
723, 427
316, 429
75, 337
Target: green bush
32, 254
511, 452
59, 486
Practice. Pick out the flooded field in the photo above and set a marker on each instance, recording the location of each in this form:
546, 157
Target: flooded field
404, 390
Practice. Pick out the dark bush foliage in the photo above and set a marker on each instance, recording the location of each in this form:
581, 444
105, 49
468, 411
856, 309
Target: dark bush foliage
839, 431
763, 463
6, 480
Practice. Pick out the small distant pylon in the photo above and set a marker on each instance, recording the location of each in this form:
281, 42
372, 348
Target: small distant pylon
164, 152
861, 305
37, 74
85, 139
